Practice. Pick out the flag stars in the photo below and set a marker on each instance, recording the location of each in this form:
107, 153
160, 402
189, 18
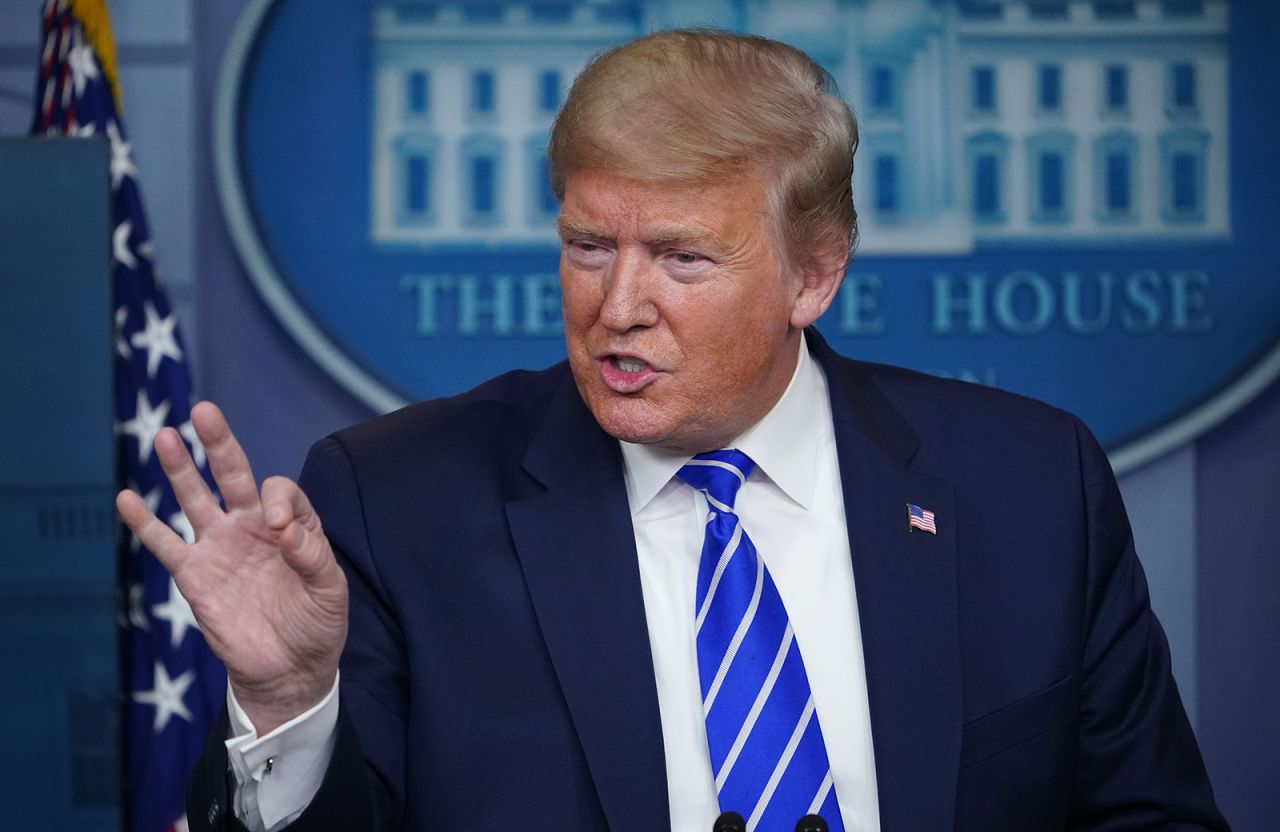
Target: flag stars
137, 614
145, 424
152, 501
167, 696
157, 338
180, 524
176, 610
122, 346
120, 245
83, 66
121, 156
188, 432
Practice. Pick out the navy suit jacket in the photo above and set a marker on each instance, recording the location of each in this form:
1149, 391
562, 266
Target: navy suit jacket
498, 674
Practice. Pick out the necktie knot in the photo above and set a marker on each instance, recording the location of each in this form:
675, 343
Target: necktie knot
719, 474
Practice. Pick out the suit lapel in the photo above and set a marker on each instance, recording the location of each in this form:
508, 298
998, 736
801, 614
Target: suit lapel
907, 602
577, 550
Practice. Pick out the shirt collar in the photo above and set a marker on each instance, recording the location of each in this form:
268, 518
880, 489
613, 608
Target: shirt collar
784, 444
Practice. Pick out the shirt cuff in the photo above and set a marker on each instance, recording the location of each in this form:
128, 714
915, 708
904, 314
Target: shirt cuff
278, 775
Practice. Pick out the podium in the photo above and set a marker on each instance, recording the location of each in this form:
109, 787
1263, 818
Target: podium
59, 703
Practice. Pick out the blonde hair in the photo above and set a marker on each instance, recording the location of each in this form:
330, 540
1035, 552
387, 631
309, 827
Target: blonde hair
701, 104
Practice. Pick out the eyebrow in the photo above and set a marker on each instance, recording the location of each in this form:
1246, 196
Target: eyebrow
682, 237
568, 227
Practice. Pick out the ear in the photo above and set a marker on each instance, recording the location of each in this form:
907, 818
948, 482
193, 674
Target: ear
820, 277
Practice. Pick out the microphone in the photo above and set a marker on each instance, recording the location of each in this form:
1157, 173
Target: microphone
812, 823
730, 822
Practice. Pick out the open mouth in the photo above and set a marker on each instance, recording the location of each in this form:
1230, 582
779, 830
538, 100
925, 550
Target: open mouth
626, 373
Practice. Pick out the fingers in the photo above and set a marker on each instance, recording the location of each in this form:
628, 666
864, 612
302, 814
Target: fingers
162, 541
193, 493
283, 502
302, 541
308, 553
227, 459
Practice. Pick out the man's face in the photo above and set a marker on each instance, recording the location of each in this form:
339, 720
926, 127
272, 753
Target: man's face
681, 318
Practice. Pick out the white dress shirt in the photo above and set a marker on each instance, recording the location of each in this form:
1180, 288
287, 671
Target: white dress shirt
792, 506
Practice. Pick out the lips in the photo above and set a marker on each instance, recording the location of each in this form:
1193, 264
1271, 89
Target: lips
626, 373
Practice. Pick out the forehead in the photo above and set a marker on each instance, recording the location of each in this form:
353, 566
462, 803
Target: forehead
602, 203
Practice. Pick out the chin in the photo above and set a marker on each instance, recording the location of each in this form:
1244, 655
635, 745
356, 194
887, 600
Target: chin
627, 420
626, 429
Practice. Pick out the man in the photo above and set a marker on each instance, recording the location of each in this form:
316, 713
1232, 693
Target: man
708, 565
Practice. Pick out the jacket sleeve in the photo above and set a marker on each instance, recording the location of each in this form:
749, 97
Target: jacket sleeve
350, 798
1138, 765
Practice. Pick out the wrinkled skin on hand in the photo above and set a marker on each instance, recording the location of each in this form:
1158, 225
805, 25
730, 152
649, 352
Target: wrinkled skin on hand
261, 577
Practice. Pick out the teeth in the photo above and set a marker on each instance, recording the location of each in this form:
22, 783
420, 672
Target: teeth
630, 365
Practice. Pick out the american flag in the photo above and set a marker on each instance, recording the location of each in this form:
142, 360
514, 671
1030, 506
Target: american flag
173, 686
921, 518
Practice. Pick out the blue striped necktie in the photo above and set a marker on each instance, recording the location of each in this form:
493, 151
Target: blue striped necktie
767, 753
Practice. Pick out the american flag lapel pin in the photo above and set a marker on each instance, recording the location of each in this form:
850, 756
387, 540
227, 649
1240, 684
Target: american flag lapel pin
921, 518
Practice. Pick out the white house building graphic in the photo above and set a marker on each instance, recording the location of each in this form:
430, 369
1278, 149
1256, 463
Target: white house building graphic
984, 122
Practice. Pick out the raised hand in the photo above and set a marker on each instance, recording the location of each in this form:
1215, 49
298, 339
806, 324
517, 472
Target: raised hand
261, 577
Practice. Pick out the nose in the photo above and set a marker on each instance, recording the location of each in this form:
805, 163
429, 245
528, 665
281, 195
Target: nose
628, 294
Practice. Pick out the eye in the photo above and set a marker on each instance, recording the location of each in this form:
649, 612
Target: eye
586, 253
686, 264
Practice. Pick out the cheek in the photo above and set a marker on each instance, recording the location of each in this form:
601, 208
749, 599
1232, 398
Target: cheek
578, 304
734, 346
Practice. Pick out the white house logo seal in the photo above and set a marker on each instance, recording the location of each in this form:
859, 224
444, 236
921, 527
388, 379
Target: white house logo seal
1066, 199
